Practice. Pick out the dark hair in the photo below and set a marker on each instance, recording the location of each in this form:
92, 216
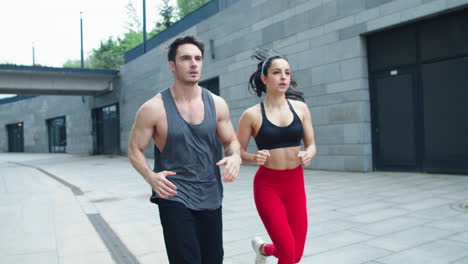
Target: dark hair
189, 39
255, 82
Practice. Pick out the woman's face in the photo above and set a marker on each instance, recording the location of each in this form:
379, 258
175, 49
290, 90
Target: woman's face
279, 76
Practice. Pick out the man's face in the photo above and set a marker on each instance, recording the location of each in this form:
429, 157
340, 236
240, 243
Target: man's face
188, 63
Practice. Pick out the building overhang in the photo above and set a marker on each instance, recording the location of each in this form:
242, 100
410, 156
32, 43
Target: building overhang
34, 80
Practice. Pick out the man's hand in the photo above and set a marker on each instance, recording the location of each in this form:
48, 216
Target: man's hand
262, 156
231, 171
161, 186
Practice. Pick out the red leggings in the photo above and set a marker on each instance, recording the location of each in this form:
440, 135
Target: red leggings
281, 203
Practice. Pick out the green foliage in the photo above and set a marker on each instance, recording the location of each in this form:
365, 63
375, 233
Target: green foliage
130, 40
76, 64
72, 64
168, 17
108, 56
167, 14
187, 6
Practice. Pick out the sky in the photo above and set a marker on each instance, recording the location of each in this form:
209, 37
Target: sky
54, 27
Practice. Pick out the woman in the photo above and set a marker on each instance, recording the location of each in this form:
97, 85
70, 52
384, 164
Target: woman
278, 125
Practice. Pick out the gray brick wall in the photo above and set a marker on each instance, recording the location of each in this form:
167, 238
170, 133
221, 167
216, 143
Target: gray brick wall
34, 113
324, 41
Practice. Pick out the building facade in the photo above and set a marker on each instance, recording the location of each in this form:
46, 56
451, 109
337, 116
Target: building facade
383, 80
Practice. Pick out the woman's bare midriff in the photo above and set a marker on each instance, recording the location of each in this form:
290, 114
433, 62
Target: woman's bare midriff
283, 158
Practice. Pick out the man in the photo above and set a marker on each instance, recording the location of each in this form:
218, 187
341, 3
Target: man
183, 122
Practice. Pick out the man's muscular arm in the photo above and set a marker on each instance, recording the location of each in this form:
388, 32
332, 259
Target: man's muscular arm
141, 135
228, 138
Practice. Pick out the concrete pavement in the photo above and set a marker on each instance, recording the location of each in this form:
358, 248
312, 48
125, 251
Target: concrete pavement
67, 209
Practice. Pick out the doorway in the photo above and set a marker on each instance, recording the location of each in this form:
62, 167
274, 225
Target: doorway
57, 131
15, 137
106, 130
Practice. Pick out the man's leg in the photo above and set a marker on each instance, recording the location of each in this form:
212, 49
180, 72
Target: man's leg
180, 234
210, 235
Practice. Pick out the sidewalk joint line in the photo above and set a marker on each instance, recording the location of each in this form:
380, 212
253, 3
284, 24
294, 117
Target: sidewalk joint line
119, 252
76, 191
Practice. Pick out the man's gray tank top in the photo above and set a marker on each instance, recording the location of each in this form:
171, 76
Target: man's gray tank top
191, 152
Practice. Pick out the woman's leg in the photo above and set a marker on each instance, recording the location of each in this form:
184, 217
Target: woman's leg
296, 212
273, 214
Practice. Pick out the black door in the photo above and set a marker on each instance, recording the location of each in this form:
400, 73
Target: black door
445, 101
15, 137
106, 130
394, 121
57, 131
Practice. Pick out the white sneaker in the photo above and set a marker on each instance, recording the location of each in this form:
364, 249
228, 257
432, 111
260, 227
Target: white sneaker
257, 242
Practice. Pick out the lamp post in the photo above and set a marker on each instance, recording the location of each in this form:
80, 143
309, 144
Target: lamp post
144, 26
33, 54
81, 34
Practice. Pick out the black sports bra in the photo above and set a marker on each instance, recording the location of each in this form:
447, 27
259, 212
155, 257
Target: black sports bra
271, 136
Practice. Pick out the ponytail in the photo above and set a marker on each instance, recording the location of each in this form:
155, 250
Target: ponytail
255, 81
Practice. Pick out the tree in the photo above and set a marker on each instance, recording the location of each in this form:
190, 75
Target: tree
130, 40
134, 23
108, 56
167, 14
187, 6
75, 64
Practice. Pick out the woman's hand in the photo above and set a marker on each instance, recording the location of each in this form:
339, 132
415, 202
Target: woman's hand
305, 157
262, 156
